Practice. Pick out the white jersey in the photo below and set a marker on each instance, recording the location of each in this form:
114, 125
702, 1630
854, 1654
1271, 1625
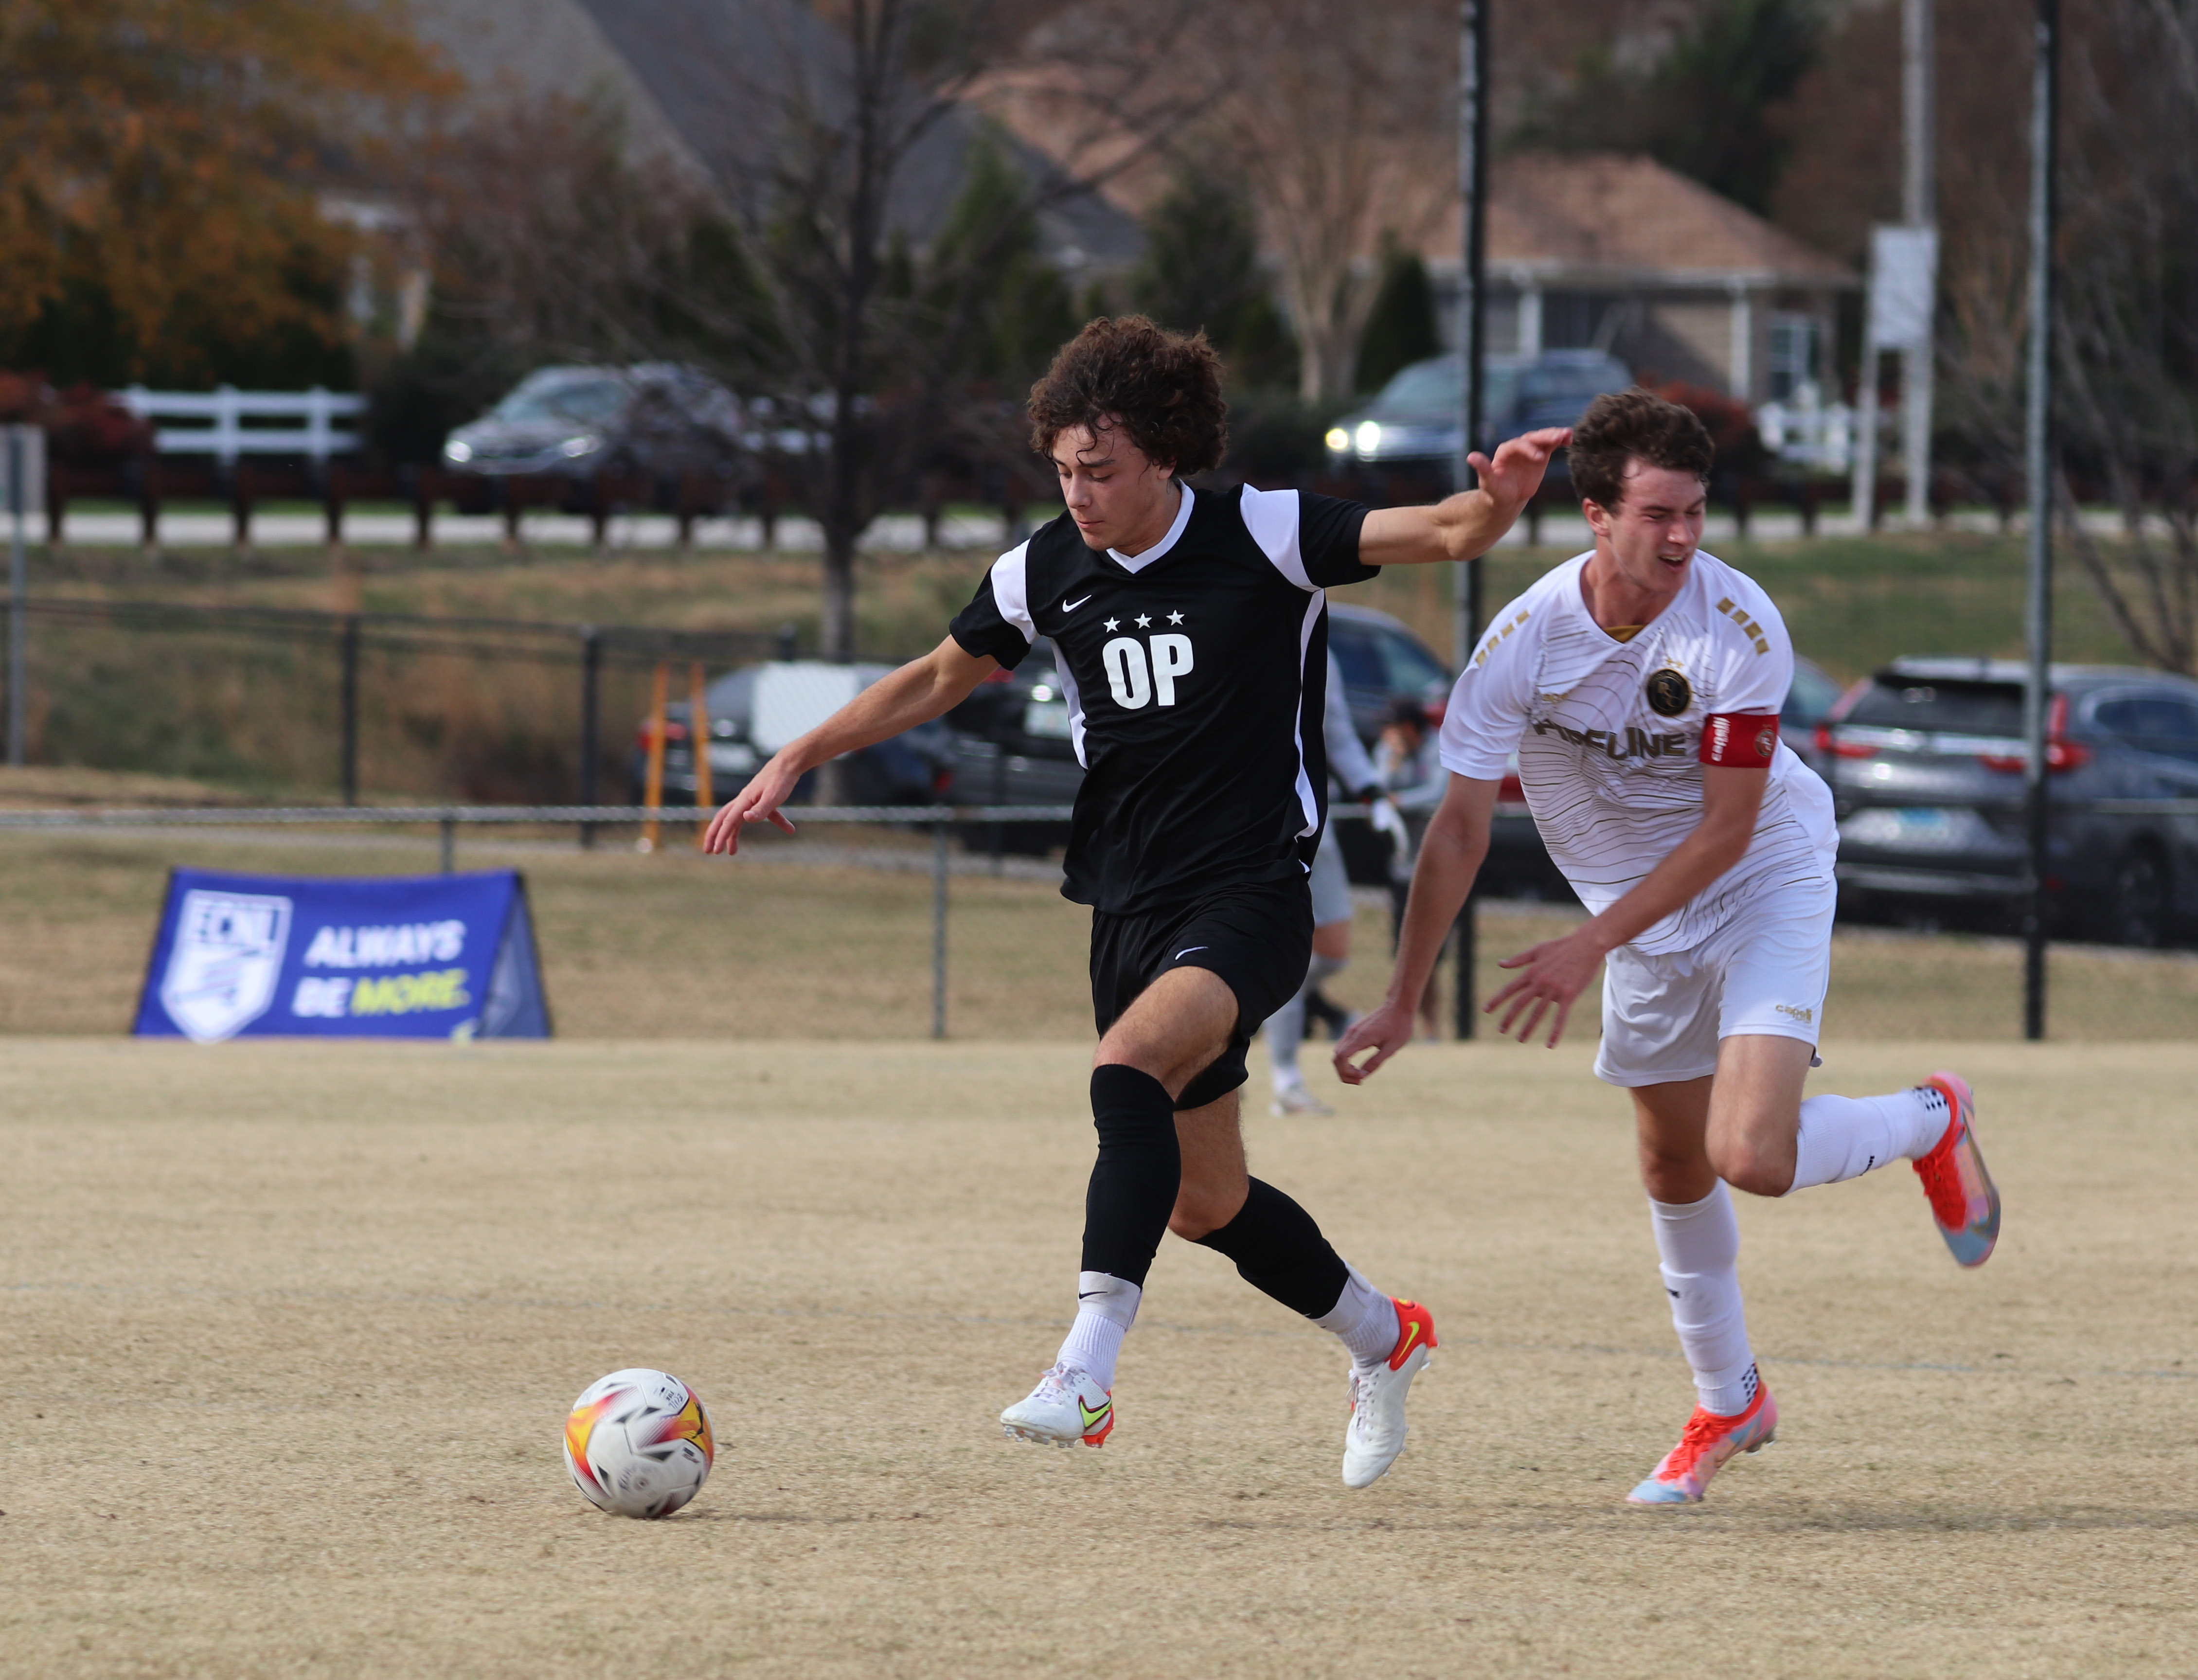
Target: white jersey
1608, 734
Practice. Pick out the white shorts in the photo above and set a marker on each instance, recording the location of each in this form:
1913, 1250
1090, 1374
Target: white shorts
1764, 973
1331, 887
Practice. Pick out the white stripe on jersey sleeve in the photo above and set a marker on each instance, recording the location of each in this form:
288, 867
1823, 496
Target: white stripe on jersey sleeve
1011, 589
1074, 696
1271, 517
1308, 801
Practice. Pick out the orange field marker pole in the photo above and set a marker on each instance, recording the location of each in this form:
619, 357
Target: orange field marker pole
698, 731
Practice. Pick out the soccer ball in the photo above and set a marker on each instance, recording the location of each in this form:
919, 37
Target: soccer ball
638, 1442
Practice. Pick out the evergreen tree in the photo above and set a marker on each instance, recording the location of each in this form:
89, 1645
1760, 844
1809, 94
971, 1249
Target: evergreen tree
1201, 270
1705, 106
1401, 330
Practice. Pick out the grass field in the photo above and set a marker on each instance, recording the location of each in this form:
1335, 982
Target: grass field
289, 1331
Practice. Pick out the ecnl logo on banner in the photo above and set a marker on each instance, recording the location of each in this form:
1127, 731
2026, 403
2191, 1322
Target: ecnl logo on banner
430, 956
228, 956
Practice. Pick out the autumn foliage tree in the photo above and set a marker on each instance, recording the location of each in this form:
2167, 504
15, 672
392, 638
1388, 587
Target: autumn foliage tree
161, 163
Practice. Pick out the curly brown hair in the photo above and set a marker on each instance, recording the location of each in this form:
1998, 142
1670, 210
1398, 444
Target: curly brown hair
1163, 389
1635, 425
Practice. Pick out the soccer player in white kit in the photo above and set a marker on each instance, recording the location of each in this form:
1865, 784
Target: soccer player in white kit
1640, 684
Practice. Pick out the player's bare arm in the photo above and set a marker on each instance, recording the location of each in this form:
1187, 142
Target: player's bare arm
1466, 525
919, 691
1451, 855
1556, 972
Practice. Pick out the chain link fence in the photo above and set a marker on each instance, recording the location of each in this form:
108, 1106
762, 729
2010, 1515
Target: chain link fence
876, 922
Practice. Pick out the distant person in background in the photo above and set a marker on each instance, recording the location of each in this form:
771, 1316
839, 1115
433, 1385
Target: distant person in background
1408, 763
1354, 773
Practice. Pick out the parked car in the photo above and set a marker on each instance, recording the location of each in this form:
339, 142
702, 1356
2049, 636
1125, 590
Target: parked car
656, 420
1809, 702
1926, 767
1413, 419
910, 768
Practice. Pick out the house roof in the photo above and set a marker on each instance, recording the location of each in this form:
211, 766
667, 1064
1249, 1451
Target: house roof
1620, 218
706, 83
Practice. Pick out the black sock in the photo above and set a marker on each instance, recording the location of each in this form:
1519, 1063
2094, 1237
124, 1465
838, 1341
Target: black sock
1279, 1251
1134, 1180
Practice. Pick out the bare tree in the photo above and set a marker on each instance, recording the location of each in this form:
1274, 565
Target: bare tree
2128, 292
862, 134
1336, 115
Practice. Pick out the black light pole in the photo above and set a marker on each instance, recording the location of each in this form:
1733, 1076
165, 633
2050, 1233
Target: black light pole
2038, 449
1472, 322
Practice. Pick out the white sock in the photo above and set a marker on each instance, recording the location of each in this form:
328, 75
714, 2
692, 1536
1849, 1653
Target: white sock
1698, 1244
1106, 1307
1843, 1137
1285, 1028
1366, 1319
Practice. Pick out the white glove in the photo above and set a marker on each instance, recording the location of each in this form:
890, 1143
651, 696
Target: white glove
1385, 819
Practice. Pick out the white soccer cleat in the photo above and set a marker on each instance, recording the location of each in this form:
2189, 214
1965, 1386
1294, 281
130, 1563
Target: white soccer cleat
1297, 1099
1375, 1434
1067, 1406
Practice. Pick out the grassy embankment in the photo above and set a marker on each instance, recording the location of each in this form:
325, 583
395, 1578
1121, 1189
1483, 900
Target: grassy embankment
262, 717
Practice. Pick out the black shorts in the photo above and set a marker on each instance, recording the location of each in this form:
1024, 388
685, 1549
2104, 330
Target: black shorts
1258, 938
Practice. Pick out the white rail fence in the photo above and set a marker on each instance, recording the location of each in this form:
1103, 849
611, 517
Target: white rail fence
220, 414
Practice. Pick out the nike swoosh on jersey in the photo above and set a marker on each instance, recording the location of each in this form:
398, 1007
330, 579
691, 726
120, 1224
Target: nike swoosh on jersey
1071, 605
1186, 952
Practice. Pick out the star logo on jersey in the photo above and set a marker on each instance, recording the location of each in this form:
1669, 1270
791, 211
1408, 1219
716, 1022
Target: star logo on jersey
1175, 618
1114, 625
1669, 692
1143, 622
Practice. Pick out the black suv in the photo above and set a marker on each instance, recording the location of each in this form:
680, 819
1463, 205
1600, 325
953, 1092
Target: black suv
1925, 764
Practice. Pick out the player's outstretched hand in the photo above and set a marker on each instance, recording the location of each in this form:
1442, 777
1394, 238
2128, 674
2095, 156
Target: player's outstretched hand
1385, 1031
1556, 972
1516, 472
759, 802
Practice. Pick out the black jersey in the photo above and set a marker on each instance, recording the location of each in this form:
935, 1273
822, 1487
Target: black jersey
1194, 674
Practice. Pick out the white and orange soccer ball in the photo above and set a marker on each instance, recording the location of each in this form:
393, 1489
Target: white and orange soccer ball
638, 1442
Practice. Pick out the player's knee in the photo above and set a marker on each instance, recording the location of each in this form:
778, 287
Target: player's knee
1752, 1167
1203, 1209
1193, 1222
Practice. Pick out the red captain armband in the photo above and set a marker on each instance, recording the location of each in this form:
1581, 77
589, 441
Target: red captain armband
1742, 739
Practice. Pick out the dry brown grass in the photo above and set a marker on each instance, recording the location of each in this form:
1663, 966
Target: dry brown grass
765, 947
289, 1330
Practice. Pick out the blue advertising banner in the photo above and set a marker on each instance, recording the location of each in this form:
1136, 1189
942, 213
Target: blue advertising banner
273, 956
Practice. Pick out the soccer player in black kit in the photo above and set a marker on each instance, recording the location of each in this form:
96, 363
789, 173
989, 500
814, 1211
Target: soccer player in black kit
1191, 633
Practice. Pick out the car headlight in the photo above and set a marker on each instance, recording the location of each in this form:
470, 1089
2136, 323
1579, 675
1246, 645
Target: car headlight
459, 450
1337, 440
586, 443
1367, 436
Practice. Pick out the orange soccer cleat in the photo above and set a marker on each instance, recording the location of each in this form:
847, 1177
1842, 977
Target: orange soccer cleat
1964, 1201
1705, 1444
